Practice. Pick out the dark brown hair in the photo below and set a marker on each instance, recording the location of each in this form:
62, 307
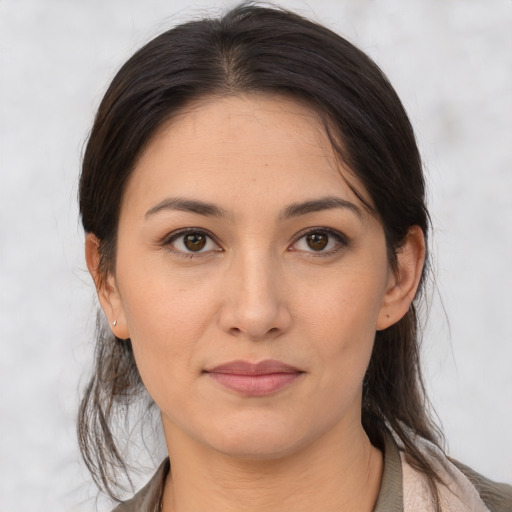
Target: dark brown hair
264, 50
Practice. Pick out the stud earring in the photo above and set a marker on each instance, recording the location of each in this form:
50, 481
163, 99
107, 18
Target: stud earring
114, 323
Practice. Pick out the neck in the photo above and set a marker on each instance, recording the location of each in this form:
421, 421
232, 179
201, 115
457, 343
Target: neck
335, 473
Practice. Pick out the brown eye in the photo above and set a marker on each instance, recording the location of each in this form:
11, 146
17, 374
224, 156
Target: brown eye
194, 241
317, 241
323, 242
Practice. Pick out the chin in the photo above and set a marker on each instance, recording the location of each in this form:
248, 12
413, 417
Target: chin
256, 441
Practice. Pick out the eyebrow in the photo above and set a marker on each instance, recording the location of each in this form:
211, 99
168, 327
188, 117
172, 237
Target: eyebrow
293, 210
317, 205
187, 205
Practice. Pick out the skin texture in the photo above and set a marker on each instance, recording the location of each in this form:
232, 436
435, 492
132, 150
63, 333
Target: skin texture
257, 290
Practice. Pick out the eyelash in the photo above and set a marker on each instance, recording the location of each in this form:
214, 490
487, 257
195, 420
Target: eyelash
176, 235
340, 238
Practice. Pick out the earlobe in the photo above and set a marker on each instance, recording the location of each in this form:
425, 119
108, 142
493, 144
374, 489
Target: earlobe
403, 283
106, 288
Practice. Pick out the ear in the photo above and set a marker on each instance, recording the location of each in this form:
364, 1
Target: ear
403, 284
106, 287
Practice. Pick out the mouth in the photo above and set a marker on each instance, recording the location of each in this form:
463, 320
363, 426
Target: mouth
255, 379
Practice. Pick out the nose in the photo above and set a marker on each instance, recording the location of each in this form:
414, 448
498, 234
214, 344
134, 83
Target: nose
255, 305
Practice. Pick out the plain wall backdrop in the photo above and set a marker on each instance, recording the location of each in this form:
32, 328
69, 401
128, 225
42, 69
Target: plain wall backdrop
451, 64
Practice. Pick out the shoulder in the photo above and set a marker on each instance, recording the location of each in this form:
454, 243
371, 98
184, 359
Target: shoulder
462, 488
496, 496
149, 497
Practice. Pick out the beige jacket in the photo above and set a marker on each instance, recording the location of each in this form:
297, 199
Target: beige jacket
403, 489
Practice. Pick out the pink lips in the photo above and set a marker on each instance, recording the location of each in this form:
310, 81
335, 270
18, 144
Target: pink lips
258, 379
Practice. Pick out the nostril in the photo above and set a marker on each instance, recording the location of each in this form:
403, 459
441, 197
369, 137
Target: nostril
236, 331
254, 321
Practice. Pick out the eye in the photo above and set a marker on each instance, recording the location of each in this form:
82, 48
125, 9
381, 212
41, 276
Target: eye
325, 241
192, 241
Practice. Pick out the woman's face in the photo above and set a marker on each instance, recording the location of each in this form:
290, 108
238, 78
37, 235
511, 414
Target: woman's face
250, 278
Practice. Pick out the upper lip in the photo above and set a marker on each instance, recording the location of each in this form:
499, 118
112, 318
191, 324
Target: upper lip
240, 367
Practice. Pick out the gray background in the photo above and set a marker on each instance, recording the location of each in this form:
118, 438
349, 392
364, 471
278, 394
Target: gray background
451, 63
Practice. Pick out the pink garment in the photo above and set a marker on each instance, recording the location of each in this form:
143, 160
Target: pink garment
458, 495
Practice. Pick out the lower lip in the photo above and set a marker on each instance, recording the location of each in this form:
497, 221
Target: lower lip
255, 385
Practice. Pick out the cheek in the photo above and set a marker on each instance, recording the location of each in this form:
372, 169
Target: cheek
343, 315
348, 304
166, 321
161, 302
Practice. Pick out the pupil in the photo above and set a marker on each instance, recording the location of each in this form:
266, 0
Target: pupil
317, 241
195, 242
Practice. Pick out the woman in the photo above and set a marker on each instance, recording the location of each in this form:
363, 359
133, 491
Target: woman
253, 200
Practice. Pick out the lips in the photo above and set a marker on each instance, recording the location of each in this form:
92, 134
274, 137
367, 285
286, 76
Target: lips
260, 379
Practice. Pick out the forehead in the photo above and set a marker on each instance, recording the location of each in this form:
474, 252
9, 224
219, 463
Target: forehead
267, 149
